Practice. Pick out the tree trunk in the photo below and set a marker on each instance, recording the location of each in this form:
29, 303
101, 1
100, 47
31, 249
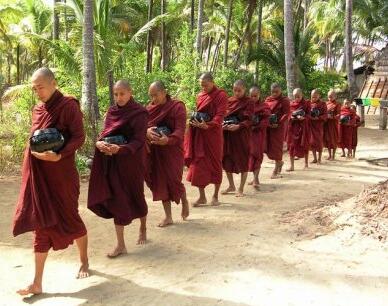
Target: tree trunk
305, 14
163, 50
215, 57
111, 84
192, 15
55, 21
89, 86
200, 27
227, 32
65, 22
149, 38
258, 39
289, 47
18, 64
209, 48
349, 49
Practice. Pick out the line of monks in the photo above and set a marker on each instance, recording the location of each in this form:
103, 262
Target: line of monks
224, 133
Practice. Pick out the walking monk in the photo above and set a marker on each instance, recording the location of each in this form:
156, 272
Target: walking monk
298, 136
48, 200
237, 132
317, 120
280, 108
116, 187
345, 129
330, 130
260, 121
166, 158
204, 141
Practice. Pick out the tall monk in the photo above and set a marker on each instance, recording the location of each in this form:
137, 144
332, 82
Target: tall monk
204, 141
345, 128
116, 186
237, 132
260, 121
280, 109
357, 124
166, 159
317, 120
48, 200
330, 130
298, 135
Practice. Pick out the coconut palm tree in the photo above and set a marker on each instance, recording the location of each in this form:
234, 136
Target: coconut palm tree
353, 91
289, 47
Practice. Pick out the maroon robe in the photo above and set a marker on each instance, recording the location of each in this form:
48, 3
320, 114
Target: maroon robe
330, 128
345, 131
165, 163
258, 135
116, 187
275, 136
236, 144
48, 200
316, 126
203, 148
355, 131
298, 135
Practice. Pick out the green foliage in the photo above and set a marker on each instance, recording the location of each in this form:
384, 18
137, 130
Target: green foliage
324, 81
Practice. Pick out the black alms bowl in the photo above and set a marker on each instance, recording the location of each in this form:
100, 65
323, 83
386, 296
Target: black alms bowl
46, 140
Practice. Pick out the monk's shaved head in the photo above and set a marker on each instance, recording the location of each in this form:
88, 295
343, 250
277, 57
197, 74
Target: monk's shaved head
206, 81
331, 92
297, 92
159, 86
276, 90
275, 86
123, 84
315, 92
207, 76
44, 73
240, 83
255, 88
157, 92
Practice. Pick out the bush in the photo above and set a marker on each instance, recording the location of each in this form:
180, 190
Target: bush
324, 81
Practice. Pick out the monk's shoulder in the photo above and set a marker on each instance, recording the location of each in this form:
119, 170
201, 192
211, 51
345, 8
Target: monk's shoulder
179, 105
140, 108
71, 103
223, 94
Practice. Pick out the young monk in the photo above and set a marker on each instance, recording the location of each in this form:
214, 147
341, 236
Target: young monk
261, 112
345, 129
280, 109
165, 159
204, 141
237, 137
116, 187
48, 200
330, 129
357, 124
317, 119
298, 136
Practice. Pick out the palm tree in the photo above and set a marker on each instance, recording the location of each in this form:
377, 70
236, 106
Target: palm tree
163, 43
55, 21
200, 27
349, 49
149, 38
289, 47
227, 32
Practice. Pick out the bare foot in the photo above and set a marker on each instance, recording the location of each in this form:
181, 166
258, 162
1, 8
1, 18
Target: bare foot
142, 236
83, 271
31, 289
281, 167
305, 167
215, 202
240, 194
276, 176
290, 169
166, 222
228, 190
199, 202
251, 183
185, 210
319, 162
117, 252
328, 158
342, 155
314, 161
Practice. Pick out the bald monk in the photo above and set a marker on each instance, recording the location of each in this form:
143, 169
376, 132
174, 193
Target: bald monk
48, 199
345, 129
204, 140
298, 136
116, 186
317, 120
237, 137
280, 109
357, 124
165, 158
261, 112
330, 130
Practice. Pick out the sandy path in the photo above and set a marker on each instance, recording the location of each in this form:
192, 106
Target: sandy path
237, 254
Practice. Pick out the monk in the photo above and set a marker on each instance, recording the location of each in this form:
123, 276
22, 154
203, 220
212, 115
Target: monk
298, 136
330, 129
345, 129
357, 124
280, 109
165, 160
260, 122
48, 199
237, 137
317, 119
204, 140
116, 187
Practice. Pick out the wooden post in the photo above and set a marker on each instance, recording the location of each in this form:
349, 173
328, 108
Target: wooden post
361, 113
383, 118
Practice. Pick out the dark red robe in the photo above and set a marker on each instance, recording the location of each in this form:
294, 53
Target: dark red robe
203, 148
275, 136
355, 131
236, 144
298, 135
48, 200
258, 135
316, 126
330, 128
165, 163
116, 187
345, 131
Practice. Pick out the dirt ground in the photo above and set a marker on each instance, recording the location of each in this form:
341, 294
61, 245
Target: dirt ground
292, 243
